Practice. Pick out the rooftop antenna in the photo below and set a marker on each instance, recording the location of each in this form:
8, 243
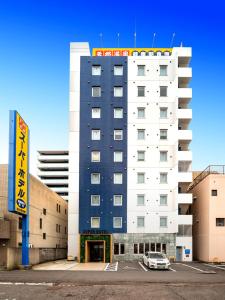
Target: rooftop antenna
172, 39
135, 34
101, 39
181, 44
118, 40
153, 40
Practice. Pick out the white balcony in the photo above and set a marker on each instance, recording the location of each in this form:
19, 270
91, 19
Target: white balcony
52, 173
185, 72
59, 189
184, 155
184, 198
185, 135
185, 177
184, 113
53, 166
52, 157
55, 181
185, 93
185, 219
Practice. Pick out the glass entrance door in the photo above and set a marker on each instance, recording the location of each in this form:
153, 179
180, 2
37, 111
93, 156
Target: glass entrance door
96, 251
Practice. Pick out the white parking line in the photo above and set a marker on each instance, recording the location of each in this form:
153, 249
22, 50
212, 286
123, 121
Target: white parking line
212, 266
172, 269
143, 266
197, 269
27, 283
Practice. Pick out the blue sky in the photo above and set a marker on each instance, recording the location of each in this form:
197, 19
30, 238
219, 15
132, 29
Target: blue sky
34, 62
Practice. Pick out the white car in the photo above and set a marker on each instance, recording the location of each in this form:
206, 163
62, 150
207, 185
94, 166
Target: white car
156, 260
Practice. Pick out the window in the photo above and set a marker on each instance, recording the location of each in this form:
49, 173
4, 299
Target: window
141, 155
95, 178
44, 236
141, 134
95, 156
118, 178
44, 211
95, 134
163, 70
56, 229
20, 223
118, 113
118, 70
135, 248
96, 113
214, 192
163, 178
141, 248
140, 221
141, 112
163, 156
163, 91
40, 223
141, 91
163, 112
163, 221
95, 222
164, 248
95, 200
140, 200
96, 70
117, 222
117, 200
59, 208
118, 135
146, 247
163, 134
158, 247
163, 200
96, 91
141, 70
118, 91
220, 222
140, 177
119, 249
153, 247
118, 156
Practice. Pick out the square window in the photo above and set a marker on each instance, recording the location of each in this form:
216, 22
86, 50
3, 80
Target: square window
96, 70
95, 200
163, 200
141, 70
220, 222
141, 134
95, 156
140, 222
163, 70
214, 192
118, 91
141, 91
95, 134
96, 91
163, 178
95, 222
117, 200
163, 134
95, 178
141, 112
163, 91
117, 222
163, 221
118, 134
163, 112
163, 156
116, 249
118, 178
118, 70
141, 155
44, 236
140, 177
118, 113
140, 199
96, 113
118, 156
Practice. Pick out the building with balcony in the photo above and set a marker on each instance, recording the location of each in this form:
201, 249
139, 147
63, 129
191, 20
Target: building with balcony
208, 189
130, 162
53, 171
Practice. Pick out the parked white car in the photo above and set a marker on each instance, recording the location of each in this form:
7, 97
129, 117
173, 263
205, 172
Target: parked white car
156, 260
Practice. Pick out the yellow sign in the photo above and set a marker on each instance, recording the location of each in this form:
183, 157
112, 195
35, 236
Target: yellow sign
131, 51
21, 165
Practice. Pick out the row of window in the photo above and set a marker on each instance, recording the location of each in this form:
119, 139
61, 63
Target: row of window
117, 222
118, 200
118, 156
118, 178
118, 134
118, 70
118, 113
118, 91
140, 248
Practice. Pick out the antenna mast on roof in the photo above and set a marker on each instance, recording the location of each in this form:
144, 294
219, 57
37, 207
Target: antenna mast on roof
101, 39
135, 34
172, 39
118, 40
153, 39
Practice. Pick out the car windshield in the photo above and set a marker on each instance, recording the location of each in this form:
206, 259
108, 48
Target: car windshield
156, 255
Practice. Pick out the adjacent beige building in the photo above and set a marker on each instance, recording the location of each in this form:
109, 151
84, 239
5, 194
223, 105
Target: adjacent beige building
48, 224
208, 190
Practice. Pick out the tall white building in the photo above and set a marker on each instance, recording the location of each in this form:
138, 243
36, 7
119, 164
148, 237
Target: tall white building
53, 170
130, 163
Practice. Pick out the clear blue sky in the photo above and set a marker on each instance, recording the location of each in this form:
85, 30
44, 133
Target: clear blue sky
34, 61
